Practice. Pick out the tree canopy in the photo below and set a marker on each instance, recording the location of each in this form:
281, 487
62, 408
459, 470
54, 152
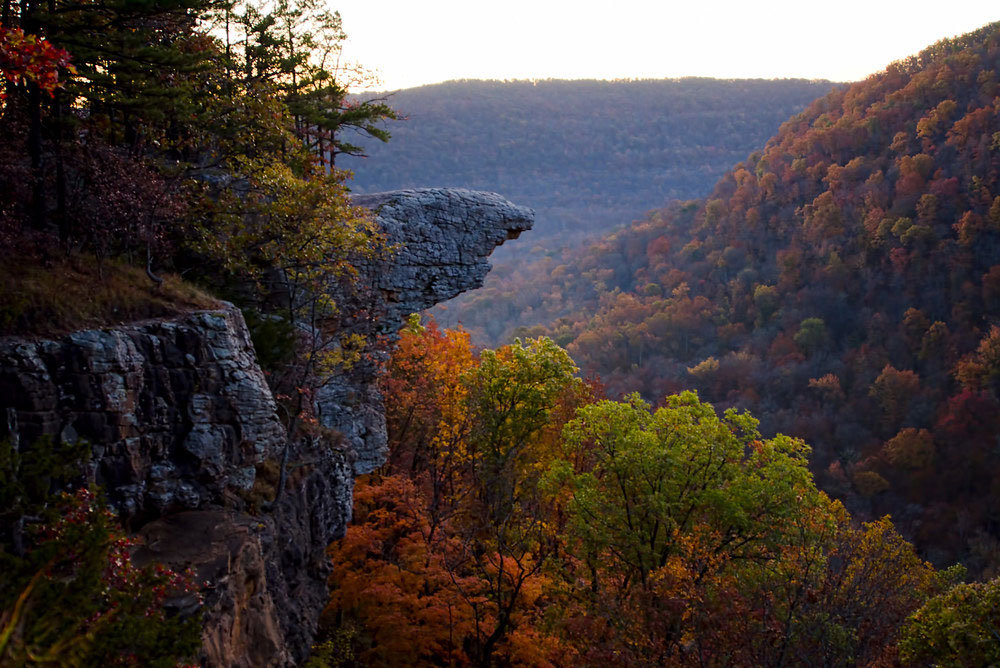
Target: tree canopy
578, 531
839, 283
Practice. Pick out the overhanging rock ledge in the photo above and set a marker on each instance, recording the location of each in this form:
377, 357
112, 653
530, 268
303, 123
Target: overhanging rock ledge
180, 420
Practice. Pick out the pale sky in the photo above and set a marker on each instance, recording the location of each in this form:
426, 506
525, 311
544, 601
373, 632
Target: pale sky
415, 42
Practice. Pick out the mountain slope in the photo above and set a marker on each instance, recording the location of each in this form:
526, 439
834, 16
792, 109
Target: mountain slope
843, 284
586, 155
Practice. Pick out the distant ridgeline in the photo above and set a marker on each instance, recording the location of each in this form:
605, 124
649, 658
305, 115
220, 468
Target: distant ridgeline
843, 284
588, 156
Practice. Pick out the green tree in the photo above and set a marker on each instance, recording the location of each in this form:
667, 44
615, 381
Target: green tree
651, 477
812, 336
692, 541
133, 85
958, 628
673, 512
512, 395
766, 300
292, 49
284, 244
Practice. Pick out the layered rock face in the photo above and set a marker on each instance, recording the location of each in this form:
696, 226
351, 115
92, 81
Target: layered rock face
178, 415
178, 412
441, 239
181, 421
445, 237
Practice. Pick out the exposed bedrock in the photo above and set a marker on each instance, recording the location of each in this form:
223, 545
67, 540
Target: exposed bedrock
445, 237
181, 422
441, 239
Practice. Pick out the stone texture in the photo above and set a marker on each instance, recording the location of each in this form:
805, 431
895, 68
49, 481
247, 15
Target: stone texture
179, 417
227, 550
177, 412
441, 239
312, 513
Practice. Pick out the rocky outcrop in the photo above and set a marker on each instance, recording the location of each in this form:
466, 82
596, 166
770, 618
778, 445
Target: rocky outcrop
184, 430
443, 238
179, 417
439, 240
228, 551
177, 412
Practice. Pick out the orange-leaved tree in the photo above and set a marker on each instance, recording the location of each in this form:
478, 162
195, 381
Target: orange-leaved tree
522, 523
456, 523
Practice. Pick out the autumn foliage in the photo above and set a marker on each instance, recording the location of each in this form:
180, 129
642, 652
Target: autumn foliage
71, 592
136, 139
841, 284
523, 522
25, 58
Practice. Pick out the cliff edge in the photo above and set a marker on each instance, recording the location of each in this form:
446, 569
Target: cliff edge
181, 423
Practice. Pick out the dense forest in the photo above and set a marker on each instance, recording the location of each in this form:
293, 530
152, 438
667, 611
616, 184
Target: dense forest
585, 155
521, 520
841, 284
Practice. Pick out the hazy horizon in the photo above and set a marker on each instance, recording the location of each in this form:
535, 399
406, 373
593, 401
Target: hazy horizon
411, 45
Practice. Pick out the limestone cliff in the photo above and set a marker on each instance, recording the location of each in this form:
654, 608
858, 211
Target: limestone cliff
181, 421
178, 412
442, 239
445, 238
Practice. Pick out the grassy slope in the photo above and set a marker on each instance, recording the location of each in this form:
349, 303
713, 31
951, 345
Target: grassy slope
58, 295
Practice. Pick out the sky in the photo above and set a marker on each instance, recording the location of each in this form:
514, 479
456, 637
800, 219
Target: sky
410, 43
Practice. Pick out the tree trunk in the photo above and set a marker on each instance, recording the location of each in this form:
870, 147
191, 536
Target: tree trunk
62, 218
35, 153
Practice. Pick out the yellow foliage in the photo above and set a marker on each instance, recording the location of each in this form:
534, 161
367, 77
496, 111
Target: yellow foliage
869, 483
910, 448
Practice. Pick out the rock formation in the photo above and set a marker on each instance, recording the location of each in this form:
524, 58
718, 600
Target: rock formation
442, 239
445, 237
181, 423
178, 412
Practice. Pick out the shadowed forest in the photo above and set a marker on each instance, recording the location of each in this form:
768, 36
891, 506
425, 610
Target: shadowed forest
587, 156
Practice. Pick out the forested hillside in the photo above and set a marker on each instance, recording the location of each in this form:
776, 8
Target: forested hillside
523, 521
586, 155
842, 283
139, 141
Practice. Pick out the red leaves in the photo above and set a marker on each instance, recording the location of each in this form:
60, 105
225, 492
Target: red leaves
87, 602
30, 58
82, 511
392, 578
